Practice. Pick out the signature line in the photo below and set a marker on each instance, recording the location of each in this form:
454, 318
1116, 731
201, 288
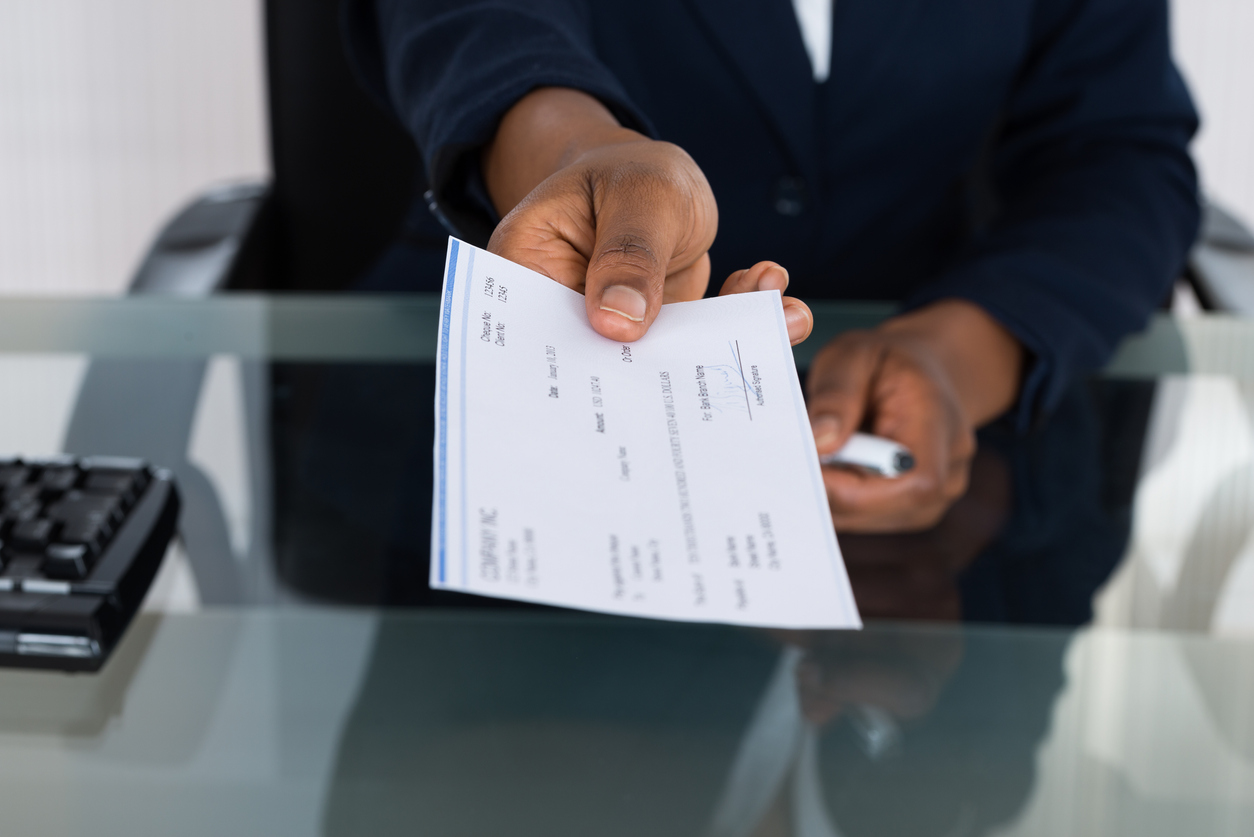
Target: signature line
741, 367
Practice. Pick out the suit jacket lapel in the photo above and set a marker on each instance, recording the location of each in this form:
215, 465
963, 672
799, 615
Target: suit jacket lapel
763, 42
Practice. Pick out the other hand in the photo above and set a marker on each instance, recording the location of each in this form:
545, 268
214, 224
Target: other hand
927, 380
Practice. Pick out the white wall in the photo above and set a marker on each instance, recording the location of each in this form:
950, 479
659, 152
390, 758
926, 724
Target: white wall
1214, 44
114, 112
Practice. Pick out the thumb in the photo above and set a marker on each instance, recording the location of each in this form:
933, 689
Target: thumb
627, 270
839, 388
624, 285
651, 240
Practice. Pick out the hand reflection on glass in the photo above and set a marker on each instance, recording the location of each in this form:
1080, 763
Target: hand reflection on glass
914, 575
877, 679
900, 675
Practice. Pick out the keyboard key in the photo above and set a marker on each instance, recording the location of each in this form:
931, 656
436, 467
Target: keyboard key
23, 494
59, 479
123, 484
31, 534
60, 460
12, 476
77, 507
66, 561
19, 510
112, 463
90, 535
23, 566
112, 481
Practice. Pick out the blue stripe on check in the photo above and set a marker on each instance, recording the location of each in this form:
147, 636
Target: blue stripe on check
445, 326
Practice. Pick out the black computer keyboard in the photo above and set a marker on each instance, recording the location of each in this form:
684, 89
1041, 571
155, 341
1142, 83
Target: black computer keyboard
80, 542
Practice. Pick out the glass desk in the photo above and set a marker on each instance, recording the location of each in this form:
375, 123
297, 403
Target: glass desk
1070, 652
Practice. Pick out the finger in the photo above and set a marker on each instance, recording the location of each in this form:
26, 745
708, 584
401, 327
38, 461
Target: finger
771, 276
839, 389
946, 447
869, 503
535, 246
763, 276
816, 705
689, 283
914, 501
733, 284
864, 503
799, 319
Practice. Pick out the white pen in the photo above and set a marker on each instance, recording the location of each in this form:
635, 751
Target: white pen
873, 453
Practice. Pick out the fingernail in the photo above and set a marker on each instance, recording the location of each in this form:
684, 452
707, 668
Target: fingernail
773, 279
826, 429
795, 318
624, 301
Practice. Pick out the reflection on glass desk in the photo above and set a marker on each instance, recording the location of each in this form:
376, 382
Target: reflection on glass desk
1070, 651
304, 721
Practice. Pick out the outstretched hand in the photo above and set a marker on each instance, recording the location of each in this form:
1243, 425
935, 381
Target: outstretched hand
628, 225
625, 220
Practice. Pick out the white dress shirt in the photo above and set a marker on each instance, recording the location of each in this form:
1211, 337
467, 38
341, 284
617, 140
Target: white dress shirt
815, 19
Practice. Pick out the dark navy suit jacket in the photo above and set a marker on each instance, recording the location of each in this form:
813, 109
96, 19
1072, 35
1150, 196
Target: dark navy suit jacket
1028, 155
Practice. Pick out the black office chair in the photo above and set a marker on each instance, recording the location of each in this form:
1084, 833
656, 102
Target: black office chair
1221, 265
344, 175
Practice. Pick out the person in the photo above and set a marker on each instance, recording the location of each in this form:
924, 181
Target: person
1016, 174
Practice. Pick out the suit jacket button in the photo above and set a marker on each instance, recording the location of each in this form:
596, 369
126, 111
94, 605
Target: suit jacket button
790, 196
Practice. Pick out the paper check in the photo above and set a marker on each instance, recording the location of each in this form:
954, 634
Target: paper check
674, 477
